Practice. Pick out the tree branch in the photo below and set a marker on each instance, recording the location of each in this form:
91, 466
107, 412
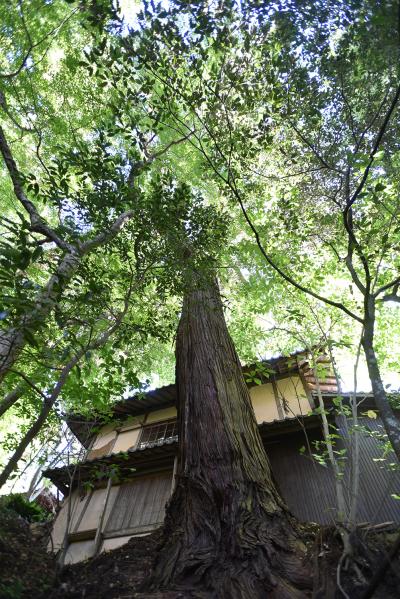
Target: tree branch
395, 284
11, 398
287, 277
50, 400
138, 167
38, 224
322, 160
375, 148
105, 236
353, 243
32, 45
29, 382
391, 297
230, 183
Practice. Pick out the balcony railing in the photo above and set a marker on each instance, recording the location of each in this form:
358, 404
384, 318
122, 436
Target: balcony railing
158, 434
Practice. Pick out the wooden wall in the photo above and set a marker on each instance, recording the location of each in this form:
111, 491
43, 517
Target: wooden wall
308, 488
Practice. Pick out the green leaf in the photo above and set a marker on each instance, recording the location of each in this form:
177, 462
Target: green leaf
30, 338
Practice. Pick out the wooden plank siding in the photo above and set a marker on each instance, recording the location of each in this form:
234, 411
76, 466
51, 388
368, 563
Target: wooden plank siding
308, 488
377, 482
140, 504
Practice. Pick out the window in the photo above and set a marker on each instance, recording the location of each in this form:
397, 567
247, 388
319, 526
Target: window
140, 505
158, 434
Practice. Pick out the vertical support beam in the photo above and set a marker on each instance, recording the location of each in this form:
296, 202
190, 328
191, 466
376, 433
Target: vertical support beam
173, 482
307, 389
113, 443
83, 511
141, 431
277, 400
99, 536
65, 544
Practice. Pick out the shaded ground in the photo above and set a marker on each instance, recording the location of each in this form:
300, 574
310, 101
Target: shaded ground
117, 574
28, 571
120, 574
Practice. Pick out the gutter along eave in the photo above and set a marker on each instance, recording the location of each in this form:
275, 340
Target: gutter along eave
139, 461
125, 464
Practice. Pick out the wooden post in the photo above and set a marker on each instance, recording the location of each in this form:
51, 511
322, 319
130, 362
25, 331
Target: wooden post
83, 511
98, 537
306, 387
173, 482
277, 400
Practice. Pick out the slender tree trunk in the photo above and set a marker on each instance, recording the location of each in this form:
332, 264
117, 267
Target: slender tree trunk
49, 402
228, 533
11, 398
389, 420
355, 452
28, 438
13, 341
339, 483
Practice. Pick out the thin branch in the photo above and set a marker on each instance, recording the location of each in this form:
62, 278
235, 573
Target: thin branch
32, 45
138, 167
50, 400
4, 106
348, 106
229, 182
105, 236
314, 150
353, 243
371, 123
29, 382
375, 148
38, 224
395, 284
285, 276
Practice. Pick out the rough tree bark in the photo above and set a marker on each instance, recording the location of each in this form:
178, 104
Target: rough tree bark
227, 533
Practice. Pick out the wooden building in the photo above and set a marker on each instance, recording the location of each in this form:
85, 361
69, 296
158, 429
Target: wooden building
121, 488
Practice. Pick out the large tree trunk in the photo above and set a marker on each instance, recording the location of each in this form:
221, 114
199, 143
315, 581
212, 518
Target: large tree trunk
227, 533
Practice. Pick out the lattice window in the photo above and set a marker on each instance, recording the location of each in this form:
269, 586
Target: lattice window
158, 433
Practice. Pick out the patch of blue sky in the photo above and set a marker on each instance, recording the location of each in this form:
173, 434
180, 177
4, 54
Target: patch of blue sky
129, 10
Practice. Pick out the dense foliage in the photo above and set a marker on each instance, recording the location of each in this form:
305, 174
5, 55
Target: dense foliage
259, 140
